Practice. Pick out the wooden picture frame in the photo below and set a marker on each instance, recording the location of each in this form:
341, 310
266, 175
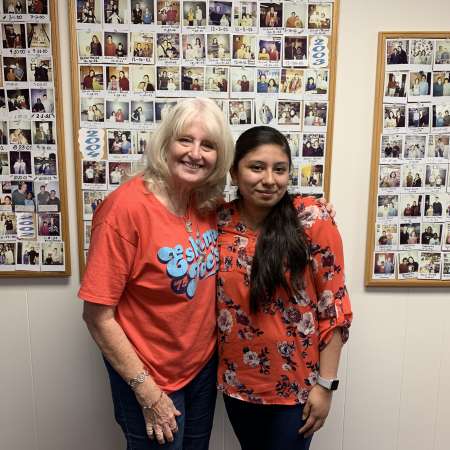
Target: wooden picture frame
37, 44
324, 50
418, 135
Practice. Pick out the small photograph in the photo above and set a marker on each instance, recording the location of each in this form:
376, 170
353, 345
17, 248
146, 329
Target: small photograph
28, 254
291, 81
20, 132
441, 116
386, 235
413, 175
411, 205
168, 12
392, 146
194, 13
218, 46
394, 116
117, 111
8, 224
432, 234
94, 172
43, 134
119, 142
193, 47
15, 69
395, 85
3, 132
434, 205
52, 255
316, 81
118, 78
38, 35
13, 7
142, 12
168, 46
438, 146
295, 50
40, 69
441, 84
384, 265
244, 47
91, 78
142, 45
14, 35
18, 100
140, 140
294, 141
91, 200
408, 264
7, 255
42, 101
421, 52
418, 116
216, 79
313, 145
192, 78
245, 14
116, 44
442, 52
315, 114
265, 111
92, 110
289, 112
142, 111
163, 108
295, 16
319, 17
268, 81
269, 49
430, 265
90, 43
20, 163
415, 145
48, 197
311, 175
118, 172
397, 52
389, 176
410, 234
45, 164
436, 176
114, 11
240, 112
219, 13
143, 78
49, 224
168, 78
419, 84
387, 206
271, 15
88, 11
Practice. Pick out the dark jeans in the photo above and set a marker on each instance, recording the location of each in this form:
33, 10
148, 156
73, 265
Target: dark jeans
196, 402
266, 427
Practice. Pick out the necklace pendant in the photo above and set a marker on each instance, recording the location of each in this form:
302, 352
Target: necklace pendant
188, 226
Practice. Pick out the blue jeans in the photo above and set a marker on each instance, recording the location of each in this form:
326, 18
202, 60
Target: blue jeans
266, 427
196, 402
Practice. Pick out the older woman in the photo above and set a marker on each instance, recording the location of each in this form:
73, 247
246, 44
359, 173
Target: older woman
149, 285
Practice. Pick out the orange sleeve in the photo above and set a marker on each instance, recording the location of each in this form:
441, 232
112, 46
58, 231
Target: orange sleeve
333, 302
109, 265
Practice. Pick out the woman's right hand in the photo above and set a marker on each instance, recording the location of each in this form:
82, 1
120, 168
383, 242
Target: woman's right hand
160, 419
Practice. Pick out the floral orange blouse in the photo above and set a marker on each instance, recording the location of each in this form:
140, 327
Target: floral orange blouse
273, 356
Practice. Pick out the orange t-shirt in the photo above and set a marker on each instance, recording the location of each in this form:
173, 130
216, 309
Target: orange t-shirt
273, 356
160, 279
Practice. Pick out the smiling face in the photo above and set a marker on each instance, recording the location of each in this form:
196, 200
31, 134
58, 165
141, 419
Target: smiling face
262, 176
191, 157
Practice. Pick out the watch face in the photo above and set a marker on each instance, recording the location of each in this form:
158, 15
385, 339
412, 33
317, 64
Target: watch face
334, 385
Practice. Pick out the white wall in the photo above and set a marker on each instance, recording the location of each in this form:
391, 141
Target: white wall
396, 368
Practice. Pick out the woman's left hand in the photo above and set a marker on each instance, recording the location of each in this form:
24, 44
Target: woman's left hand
315, 410
329, 206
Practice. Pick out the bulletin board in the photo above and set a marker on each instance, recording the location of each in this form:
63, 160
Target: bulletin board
408, 236
33, 197
264, 63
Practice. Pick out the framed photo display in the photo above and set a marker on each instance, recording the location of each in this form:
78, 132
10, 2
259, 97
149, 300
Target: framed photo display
408, 236
33, 199
264, 63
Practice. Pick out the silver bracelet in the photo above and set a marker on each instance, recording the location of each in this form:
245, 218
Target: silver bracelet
138, 379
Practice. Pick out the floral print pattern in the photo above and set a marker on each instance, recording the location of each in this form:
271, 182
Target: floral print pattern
273, 356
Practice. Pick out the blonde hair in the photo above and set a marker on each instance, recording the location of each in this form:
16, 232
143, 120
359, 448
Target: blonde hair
173, 126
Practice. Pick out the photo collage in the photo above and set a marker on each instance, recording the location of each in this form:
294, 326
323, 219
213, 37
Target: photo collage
263, 63
412, 230
30, 196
